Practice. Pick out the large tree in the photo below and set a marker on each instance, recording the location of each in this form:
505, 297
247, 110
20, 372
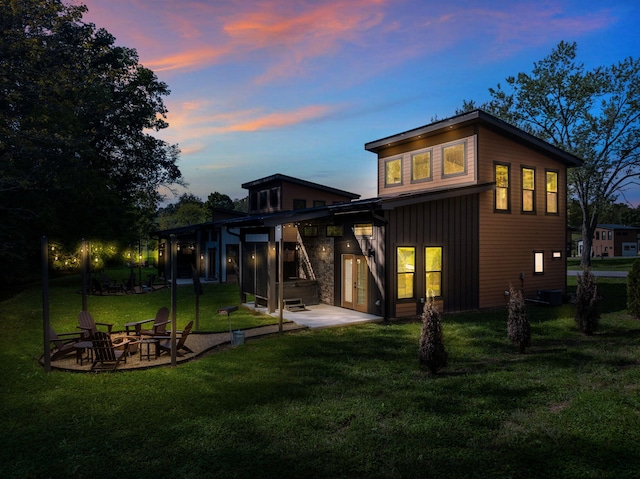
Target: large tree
594, 114
77, 113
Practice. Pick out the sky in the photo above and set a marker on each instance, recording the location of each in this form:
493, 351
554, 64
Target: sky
298, 87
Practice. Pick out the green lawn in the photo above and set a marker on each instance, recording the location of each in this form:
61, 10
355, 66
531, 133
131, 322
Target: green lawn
334, 403
604, 264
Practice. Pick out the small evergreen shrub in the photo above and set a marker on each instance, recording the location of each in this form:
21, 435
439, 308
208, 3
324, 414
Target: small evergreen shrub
633, 290
432, 354
518, 327
587, 314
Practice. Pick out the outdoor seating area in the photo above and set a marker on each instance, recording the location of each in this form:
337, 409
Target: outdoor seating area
96, 347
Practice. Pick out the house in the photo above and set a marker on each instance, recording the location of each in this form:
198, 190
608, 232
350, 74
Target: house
614, 240
208, 247
466, 207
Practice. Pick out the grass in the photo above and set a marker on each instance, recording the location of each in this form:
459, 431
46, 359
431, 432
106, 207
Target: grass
339, 403
604, 264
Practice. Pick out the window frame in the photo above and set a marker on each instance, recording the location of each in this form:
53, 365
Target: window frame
334, 231
439, 271
532, 211
414, 154
464, 159
538, 255
556, 193
299, 204
387, 162
405, 274
497, 164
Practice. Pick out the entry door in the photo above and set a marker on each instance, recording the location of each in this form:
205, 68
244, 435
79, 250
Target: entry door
354, 282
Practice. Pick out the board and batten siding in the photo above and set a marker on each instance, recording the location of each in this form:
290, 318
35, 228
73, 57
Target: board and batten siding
507, 241
450, 223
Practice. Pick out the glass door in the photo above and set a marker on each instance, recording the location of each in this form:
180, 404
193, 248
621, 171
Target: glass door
354, 282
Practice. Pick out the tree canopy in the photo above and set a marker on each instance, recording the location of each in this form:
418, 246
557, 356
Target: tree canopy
594, 114
77, 113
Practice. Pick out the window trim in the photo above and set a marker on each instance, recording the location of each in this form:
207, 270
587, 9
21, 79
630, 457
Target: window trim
547, 192
538, 254
413, 274
386, 177
533, 191
427, 271
299, 202
508, 188
426, 178
464, 159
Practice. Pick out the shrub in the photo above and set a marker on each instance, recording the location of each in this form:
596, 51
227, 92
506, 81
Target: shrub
587, 315
633, 290
518, 327
432, 354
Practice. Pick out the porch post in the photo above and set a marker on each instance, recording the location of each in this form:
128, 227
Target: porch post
271, 271
280, 278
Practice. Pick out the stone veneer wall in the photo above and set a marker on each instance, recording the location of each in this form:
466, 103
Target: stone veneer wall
323, 264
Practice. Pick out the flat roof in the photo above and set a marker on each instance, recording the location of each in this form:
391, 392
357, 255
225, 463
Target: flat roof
290, 179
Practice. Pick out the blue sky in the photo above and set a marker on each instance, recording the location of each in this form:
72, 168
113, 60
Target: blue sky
298, 87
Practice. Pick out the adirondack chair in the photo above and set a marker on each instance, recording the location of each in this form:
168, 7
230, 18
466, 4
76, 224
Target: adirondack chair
164, 344
63, 343
160, 322
106, 356
89, 326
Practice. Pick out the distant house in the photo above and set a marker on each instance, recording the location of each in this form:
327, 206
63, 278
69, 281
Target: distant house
614, 240
466, 207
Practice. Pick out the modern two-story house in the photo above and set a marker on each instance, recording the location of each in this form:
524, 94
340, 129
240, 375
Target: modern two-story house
466, 207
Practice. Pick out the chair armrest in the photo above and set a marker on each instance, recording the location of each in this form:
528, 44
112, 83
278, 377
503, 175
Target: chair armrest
108, 325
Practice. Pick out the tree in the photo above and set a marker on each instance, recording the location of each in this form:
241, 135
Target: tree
518, 327
587, 315
593, 114
432, 353
218, 201
633, 290
76, 155
189, 210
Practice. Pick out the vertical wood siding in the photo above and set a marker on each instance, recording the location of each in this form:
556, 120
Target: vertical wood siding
452, 224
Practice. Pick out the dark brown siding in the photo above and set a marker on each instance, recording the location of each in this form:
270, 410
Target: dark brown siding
452, 224
508, 240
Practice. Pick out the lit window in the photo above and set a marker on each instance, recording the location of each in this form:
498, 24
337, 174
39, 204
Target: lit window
453, 159
556, 255
552, 192
393, 172
502, 187
406, 271
421, 166
528, 190
433, 268
538, 262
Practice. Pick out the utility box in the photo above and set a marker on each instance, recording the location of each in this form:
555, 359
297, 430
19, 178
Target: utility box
238, 338
553, 297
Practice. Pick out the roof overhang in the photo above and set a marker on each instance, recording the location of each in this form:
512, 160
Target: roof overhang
476, 117
391, 202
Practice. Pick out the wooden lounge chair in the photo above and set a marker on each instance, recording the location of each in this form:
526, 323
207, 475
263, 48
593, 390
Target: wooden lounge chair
106, 356
89, 326
160, 322
63, 343
164, 343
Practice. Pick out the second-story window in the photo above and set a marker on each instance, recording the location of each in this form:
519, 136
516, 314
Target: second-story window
299, 204
274, 197
421, 166
502, 187
528, 190
453, 159
393, 172
552, 191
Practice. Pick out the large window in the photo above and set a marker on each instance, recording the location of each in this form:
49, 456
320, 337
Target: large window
421, 166
502, 187
433, 269
393, 172
299, 204
274, 197
406, 271
453, 159
528, 190
552, 192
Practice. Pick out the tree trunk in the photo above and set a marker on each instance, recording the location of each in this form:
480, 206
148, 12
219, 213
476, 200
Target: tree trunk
588, 230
